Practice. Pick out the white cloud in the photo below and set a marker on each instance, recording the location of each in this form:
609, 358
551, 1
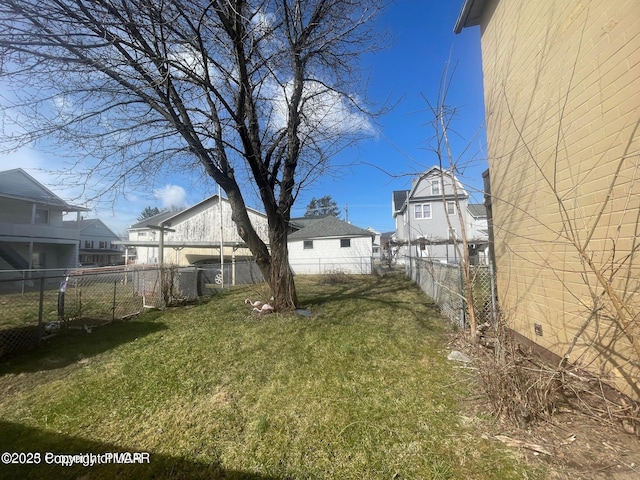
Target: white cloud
171, 196
324, 110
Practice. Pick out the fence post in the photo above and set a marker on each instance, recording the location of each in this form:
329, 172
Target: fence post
492, 282
113, 309
40, 307
462, 298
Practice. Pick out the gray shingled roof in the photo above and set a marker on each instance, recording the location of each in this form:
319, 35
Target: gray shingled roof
477, 209
20, 185
302, 222
329, 227
399, 197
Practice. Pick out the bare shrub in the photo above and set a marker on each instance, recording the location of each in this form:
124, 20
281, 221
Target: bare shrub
524, 388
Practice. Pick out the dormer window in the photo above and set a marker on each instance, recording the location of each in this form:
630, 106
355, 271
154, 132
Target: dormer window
435, 187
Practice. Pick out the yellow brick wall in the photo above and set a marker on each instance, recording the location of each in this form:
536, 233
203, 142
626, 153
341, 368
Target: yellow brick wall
562, 99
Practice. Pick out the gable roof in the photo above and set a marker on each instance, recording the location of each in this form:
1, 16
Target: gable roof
85, 223
19, 185
400, 196
155, 220
173, 216
329, 226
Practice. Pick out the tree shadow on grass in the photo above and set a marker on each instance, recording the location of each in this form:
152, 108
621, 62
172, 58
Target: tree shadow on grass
69, 346
381, 291
20, 438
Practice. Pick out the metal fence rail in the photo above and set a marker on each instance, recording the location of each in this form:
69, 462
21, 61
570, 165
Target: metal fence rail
38, 303
318, 266
444, 283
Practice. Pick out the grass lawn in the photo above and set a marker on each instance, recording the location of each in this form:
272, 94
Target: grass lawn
362, 390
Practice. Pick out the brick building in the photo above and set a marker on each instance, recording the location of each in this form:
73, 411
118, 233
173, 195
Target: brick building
562, 101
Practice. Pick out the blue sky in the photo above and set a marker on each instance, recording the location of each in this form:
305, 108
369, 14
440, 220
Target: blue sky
403, 74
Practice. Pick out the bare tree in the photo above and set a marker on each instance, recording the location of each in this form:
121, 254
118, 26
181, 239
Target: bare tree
255, 91
442, 116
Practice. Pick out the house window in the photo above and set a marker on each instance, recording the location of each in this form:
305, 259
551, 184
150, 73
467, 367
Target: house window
42, 216
435, 187
103, 244
88, 244
422, 211
345, 242
451, 208
307, 245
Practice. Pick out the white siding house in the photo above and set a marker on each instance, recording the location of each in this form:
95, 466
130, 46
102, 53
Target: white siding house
427, 216
330, 245
32, 233
478, 233
193, 235
98, 244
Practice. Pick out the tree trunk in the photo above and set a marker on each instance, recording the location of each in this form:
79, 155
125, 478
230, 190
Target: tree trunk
280, 277
274, 262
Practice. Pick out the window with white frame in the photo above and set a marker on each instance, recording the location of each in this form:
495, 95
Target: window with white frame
422, 211
451, 208
435, 187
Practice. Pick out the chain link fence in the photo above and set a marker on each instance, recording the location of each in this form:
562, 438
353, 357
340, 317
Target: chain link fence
37, 304
444, 283
319, 266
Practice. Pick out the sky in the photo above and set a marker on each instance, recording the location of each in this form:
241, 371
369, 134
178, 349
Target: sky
403, 77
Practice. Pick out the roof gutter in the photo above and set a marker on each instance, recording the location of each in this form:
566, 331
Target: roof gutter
470, 14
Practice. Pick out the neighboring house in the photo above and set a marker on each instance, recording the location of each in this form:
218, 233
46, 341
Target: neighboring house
193, 235
377, 244
32, 232
562, 101
478, 233
427, 221
98, 247
387, 244
328, 244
